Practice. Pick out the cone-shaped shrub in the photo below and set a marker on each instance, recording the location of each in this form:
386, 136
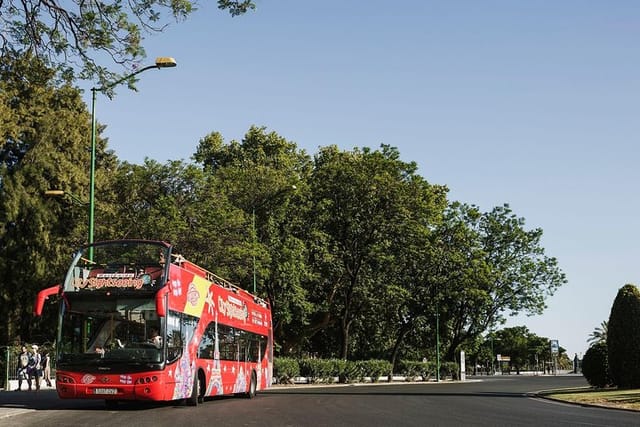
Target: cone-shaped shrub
595, 367
623, 338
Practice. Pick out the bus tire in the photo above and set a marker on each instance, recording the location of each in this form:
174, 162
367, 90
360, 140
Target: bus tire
253, 385
202, 386
194, 399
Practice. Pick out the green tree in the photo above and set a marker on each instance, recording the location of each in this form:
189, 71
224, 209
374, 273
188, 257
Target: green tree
459, 275
623, 338
405, 282
514, 342
79, 33
362, 202
500, 268
540, 352
44, 141
265, 176
178, 203
599, 334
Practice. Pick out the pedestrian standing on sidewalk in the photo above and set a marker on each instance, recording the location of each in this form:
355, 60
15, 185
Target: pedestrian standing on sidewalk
35, 367
46, 368
23, 368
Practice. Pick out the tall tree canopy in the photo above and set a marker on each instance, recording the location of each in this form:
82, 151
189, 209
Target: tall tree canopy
364, 203
43, 146
79, 33
265, 176
498, 268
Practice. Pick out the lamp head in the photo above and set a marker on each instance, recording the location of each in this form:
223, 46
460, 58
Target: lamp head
165, 62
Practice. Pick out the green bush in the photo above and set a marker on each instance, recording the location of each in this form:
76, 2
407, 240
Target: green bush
449, 369
623, 338
285, 370
335, 369
595, 367
352, 372
321, 370
311, 369
411, 370
348, 371
374, 369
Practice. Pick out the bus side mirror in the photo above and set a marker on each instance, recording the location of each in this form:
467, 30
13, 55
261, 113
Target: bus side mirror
43, 295
161, 301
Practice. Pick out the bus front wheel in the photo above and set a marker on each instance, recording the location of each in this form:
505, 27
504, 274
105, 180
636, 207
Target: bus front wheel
197, 391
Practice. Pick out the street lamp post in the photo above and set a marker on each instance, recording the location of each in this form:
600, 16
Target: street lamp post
253, 250
492, 354
161, 62
62, 193
437, 341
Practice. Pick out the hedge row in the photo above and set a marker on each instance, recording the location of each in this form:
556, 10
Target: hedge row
285, 370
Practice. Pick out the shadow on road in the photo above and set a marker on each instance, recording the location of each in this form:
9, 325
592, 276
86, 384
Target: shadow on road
354, 391
49, 400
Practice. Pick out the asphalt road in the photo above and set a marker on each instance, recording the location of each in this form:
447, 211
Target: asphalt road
486, 401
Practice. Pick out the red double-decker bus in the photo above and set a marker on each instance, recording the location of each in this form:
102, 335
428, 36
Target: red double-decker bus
139, 322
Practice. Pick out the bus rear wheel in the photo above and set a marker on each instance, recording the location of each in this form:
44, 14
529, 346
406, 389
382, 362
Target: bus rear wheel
253, 385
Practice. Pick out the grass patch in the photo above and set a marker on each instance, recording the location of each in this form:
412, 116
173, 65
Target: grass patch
621, 399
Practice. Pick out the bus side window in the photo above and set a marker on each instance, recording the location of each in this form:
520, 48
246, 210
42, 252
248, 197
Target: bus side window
206, 348
241, 342
174, 337
227, 342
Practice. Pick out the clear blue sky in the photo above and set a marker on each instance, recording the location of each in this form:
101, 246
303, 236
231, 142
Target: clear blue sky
532, 103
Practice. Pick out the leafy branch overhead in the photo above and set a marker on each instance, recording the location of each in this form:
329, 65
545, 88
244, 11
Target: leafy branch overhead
78, 35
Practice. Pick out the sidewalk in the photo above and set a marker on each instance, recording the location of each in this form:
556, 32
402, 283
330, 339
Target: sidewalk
13, 403
13, 385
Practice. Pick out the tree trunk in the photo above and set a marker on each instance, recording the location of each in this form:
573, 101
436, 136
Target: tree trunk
404, 330
344, 351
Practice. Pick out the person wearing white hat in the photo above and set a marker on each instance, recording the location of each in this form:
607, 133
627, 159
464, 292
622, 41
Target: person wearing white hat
35, 371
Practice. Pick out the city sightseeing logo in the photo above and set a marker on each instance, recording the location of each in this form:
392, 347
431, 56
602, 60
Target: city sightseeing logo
113, 280
193, 296
233, 309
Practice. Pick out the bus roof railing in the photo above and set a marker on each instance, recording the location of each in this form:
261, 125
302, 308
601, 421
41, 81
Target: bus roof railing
213, 278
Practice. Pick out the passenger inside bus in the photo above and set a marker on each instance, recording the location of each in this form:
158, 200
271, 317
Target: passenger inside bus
155, 338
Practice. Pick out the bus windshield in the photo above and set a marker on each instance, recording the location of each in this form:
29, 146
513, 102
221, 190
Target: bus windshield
124, 265
110, 330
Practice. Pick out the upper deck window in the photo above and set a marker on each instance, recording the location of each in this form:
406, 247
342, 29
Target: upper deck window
130, 265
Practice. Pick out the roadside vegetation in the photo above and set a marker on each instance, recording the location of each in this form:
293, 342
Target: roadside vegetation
613, 359
619, 399
611, 365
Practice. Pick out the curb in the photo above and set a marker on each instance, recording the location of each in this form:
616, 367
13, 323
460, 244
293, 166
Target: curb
543, 394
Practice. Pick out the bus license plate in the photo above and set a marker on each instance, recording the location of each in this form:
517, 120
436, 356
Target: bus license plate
105, 391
